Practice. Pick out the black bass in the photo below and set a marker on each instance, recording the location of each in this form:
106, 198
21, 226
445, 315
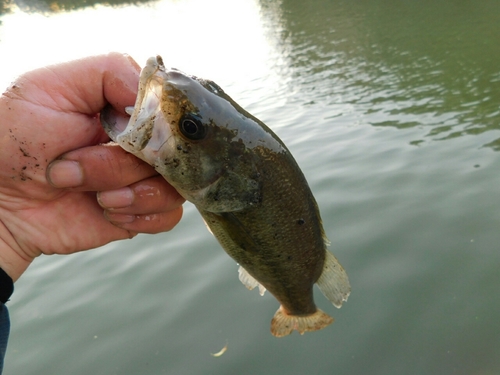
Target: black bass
244, 182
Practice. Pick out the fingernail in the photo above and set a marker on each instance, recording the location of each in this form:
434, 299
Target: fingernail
119, 218
65, 174
118, 198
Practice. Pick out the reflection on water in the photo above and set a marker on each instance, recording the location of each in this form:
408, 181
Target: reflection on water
53, 6
157, 27
352, 87
5, 6
432, 64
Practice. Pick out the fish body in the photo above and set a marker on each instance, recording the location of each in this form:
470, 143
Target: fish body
244, 182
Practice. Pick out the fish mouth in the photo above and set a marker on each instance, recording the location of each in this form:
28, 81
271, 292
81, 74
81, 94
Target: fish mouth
146, 125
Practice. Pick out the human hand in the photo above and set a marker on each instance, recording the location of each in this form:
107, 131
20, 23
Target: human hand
53, 165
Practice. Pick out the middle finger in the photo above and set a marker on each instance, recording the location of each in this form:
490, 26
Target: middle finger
149, 196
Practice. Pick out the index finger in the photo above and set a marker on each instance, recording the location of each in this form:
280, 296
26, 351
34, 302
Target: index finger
98, 168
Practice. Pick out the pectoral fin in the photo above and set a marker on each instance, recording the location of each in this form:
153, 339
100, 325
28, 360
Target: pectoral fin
232, 192
333, 282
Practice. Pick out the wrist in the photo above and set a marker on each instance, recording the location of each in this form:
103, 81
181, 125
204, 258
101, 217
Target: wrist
11, 260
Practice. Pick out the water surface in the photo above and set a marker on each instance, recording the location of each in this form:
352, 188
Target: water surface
392, 109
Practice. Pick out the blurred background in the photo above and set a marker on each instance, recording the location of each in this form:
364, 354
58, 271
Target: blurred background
392, 110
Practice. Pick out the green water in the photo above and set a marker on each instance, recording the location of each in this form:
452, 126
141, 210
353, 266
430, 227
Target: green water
392, 109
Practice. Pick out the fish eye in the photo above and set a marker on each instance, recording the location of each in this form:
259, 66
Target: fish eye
191, 127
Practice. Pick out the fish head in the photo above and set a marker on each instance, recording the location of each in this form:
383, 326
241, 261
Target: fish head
195, 136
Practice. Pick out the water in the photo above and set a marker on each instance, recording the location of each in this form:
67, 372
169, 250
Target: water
392, 109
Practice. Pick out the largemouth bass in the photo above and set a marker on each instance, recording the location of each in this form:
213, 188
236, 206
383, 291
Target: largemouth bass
244, 182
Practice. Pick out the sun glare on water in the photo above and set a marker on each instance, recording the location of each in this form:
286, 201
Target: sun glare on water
215, 39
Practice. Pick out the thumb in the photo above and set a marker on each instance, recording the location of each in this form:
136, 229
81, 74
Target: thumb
83, 86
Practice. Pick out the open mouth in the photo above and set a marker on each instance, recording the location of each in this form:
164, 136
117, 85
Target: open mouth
113, 122
146, 125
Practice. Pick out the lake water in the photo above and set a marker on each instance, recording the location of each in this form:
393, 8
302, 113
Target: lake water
391, 108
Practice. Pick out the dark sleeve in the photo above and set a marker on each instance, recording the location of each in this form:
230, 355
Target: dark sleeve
4, 332
6, 289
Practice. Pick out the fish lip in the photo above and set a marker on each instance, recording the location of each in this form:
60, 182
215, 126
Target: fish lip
136, 132
113, 121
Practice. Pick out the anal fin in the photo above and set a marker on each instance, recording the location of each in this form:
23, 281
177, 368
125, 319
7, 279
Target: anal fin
249, 281
283, 324
333, 282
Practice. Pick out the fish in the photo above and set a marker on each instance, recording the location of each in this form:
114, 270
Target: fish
245, 183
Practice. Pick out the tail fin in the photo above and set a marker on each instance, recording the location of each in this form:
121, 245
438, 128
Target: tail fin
283, 324
333, 282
